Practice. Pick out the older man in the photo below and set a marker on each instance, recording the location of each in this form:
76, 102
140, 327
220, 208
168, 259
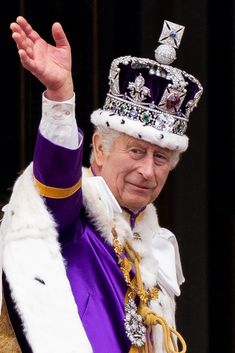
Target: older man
86, 265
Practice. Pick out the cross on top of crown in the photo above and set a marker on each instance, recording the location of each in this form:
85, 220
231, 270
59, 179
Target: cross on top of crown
171, 34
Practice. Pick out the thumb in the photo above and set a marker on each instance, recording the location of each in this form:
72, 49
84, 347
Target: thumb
59, 35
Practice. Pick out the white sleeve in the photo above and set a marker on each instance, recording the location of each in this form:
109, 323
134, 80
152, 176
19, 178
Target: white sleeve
58, 123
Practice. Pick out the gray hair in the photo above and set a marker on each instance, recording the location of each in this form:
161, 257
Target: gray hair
110, 135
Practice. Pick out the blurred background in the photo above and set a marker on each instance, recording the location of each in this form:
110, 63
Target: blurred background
198, 201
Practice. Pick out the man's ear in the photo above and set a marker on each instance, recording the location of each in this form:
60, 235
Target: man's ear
98, 148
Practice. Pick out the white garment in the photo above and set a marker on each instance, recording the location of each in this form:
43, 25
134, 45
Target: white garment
58, 123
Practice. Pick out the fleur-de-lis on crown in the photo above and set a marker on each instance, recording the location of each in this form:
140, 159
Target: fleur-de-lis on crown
138, 91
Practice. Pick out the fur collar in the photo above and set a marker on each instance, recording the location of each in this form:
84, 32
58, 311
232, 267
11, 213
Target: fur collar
158, 248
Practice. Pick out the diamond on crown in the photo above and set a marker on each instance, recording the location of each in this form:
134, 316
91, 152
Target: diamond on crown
146, 115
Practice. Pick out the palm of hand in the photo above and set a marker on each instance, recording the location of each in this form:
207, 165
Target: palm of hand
50, 64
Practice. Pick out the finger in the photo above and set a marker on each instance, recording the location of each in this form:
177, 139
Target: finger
24, 43
26, 61
59, 35
27, 28
18, 34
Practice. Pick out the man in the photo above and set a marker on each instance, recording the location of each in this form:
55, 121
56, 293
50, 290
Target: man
86, 265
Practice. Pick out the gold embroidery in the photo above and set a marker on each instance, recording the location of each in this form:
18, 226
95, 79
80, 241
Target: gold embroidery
8, 341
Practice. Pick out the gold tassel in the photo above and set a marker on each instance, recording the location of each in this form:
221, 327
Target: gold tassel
170, 335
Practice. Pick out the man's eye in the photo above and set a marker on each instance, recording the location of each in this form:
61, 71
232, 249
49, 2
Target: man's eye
160, 158
136, 152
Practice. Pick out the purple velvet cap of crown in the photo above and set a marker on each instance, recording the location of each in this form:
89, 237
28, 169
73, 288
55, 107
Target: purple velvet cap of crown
156, 84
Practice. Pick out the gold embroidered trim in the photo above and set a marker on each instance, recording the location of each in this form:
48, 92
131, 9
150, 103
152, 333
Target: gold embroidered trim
8, 341
56, 193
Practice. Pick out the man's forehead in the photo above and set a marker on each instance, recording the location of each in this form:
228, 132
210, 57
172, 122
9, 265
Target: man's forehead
132, 141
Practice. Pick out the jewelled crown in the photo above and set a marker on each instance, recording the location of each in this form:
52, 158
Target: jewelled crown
150, 99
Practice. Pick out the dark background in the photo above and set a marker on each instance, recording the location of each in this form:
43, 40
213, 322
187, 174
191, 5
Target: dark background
198, 201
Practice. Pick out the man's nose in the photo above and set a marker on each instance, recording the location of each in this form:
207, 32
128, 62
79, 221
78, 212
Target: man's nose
147, 167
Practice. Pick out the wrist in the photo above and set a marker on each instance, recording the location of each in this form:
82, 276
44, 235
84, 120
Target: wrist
50, 101
60, 94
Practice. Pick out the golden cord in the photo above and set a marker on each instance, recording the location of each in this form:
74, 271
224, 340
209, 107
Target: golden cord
136, 288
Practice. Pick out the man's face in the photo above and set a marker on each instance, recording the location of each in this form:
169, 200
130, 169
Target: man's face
135, 171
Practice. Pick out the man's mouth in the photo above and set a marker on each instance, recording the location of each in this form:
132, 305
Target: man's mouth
140, 186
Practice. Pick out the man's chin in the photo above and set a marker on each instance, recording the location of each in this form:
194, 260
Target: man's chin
135, 206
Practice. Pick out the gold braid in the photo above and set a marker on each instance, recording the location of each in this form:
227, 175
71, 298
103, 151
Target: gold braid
127, 258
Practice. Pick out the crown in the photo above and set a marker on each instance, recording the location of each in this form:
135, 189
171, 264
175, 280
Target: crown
150, 99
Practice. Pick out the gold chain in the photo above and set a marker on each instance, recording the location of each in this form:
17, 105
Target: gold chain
125, 264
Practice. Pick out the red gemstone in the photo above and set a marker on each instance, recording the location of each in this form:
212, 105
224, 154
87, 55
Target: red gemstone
172, 101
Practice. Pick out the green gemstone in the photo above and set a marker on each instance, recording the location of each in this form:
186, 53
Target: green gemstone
122, 108
146, 117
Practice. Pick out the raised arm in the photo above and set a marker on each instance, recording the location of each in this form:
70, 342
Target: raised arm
51, 64
57, 158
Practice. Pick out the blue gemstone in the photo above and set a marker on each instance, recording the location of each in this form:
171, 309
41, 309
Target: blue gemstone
173, 34
133, 113
114, 106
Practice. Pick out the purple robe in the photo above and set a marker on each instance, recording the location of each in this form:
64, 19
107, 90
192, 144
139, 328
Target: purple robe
91, 263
